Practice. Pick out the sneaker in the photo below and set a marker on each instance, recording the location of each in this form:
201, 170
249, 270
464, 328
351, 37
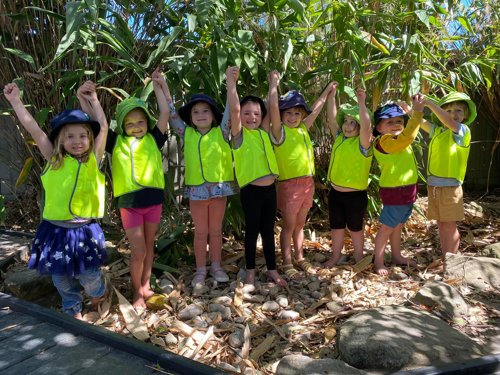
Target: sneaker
219, 275
199, 278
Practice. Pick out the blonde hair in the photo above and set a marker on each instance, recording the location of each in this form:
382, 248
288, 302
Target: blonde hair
58, 153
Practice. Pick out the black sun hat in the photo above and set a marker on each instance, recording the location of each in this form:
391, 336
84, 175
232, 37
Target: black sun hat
185, 110
71, 116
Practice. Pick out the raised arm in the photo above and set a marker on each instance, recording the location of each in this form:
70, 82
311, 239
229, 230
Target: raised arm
174, 119
365, 123
90, 104
331, 111
317, 106
443, 116
233, 101
274, 109
425, 125
11, 92
161, 99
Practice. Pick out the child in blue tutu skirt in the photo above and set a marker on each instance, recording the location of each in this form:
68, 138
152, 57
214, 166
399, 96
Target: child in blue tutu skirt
69, 243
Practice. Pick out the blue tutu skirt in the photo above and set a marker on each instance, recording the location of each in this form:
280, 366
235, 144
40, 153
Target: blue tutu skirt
67, 251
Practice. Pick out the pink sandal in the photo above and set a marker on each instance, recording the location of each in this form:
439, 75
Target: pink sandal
219, 275
199, 278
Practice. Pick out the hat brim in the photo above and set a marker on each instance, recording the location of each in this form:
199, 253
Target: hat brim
185, 111
94, 125
125, 107
285, 107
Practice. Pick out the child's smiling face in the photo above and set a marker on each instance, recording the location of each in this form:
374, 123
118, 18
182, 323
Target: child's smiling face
202, 116
292, 117
350, 127
393, 125
459, 111
75, 139
251, 116
135, 123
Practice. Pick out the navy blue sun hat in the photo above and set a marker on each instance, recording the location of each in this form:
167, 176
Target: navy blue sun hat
71, 116
293, 99
185, 110
389, 110
255, 99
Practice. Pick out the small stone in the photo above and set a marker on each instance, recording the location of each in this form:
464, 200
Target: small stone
253, 298
319, 258
223, 300
270, 306
189, 312
282, 300
248, 288
236, 339
313, 286
166, 286
227, 367
398, 276
170, 339
334, 307
274, 290
200, 290
299, 306
226, 313
198, 322
215, 307
288, 315
317, 294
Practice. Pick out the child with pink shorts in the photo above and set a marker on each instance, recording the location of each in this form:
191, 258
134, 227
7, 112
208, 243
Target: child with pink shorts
291, 119
135, 144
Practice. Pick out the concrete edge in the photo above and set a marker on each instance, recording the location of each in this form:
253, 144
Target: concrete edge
167, 360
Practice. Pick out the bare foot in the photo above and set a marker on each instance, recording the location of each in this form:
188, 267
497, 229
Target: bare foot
381, 270
250, 277
78, 316
275, 277
403, 261
358, 256
332, 261
147, 294
138, 301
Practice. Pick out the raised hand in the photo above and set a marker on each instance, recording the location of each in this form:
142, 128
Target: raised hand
361, 95
418, 102
274, 78
87, 91
11, 92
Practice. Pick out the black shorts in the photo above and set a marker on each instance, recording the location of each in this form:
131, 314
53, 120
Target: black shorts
347, 209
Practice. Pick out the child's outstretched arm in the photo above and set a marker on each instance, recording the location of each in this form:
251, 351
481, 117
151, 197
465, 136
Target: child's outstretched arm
318, 106
90, 104
11, 92
161, 99
425, 125
274, 109
232, 73
174, 119
331, 111
365, 123
443, 116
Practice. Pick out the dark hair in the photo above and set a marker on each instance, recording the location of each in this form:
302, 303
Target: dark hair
256, 100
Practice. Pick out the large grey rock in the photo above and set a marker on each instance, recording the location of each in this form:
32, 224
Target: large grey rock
27, 284
442, 297
397, 337
492, 251
478, 272
297, 364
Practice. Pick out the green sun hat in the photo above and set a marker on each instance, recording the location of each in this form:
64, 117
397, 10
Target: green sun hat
127, 105
351, 111
458, 97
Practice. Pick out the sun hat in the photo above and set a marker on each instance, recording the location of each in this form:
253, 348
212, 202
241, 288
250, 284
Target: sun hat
256, 99
71, 116
388, 110
351, 111
457, 97
185, 110
123, 109
292, 99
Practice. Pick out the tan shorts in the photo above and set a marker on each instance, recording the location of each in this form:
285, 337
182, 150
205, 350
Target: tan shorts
445, 203
295, 194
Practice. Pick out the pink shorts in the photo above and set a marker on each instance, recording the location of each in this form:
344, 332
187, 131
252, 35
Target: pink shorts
135, 217
295, 194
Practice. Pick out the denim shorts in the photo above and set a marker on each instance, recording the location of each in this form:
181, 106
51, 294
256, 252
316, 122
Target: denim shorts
392, 216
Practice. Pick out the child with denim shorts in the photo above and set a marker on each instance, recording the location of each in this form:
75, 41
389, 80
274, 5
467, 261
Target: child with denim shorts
399, 175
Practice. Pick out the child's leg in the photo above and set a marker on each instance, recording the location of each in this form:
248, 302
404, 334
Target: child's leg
150, 230
356, 203
138, 255
381, 239
337, 218
337, 246
358, 242
93, 284
289, 220
396, 257
199, 212
298, 233
215, 216
69, 290
252, 210
449, 236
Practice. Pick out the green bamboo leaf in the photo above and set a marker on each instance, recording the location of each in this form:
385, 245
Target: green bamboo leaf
23, 175
423, 17
251, 62
466, 24
288, 53
191, 18
21, 55
245, 37
41, 115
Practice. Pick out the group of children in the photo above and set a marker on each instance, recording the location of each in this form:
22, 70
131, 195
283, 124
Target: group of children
264, 152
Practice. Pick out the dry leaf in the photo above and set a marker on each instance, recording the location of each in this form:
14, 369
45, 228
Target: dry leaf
245, 350
203, 341
133, 322
262, 348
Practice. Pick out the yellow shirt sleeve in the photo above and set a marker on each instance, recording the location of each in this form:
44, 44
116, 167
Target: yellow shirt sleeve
392, 144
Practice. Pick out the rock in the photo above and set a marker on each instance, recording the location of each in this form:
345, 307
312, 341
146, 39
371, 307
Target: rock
170, 339
255, 298
270, 306
319, 258
437, 294
227, 367
248, 288
282, 300
398, 276
288, 315
317, 294
166, 286
297, 364
223, 300
200, 290
334, 307
216, 307
396, 337
236, 339
492, 251
478, 272
313, 286
189, 312
28, 284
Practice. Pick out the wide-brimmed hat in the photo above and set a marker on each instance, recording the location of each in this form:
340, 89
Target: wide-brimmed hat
351, 111
293, 99
185, 110
71, 116
253, 98
123, 109
388, 110
457, 97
